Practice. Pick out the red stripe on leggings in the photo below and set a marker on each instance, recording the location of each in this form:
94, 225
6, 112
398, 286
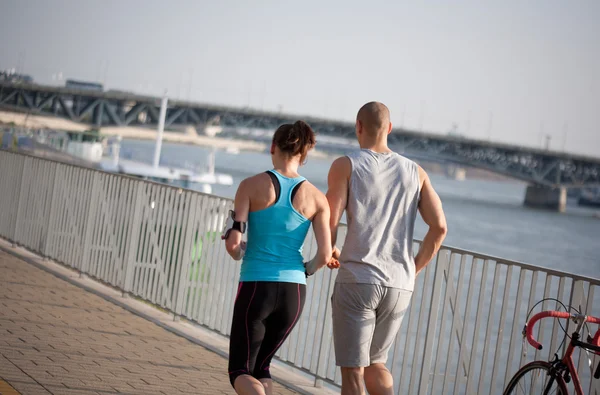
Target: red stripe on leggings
247, 334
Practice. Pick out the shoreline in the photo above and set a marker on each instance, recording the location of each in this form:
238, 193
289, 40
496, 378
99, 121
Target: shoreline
188, 136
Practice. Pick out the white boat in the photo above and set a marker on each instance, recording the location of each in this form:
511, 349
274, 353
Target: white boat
187, 178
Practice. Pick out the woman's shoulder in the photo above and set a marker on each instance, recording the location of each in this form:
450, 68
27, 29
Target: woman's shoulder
309, 191
256, 179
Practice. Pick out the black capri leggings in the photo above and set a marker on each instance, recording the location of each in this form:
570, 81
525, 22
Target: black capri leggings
263, 316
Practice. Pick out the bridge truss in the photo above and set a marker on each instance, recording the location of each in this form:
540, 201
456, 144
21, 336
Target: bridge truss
100, 109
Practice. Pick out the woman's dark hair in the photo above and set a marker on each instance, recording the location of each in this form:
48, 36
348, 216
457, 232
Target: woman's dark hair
296, 139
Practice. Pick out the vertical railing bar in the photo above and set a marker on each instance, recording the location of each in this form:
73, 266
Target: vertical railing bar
74, 234
207, 251
95, 213
555, 324
104, 224
207, 259
68, 179
162, 242
220, 258
176, 250
46, 252
181, 290
33, 212
449, 277
127, 193
104, 263
583, 355
326, 328
144, 247
422, 301
204, 267
154, 253
464, 345
515, 331
230, 266
455, 322
144, 244
151, 245
125, 199
38, 200
100, 226
20, 170
117, 221
111, 219
169, 223
77, 230
490, 326
478, 322
304, 324
434, 306
505, 298
214, 252
195, 260
133, 245
540, 332
532, 296
90, 224
321, 310
21, 201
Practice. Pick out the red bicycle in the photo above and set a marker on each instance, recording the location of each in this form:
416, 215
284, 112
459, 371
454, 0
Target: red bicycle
541, 377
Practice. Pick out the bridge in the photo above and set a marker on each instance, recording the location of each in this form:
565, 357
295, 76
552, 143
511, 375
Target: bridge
549, 173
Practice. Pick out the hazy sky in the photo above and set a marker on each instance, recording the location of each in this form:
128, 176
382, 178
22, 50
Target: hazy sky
522, 67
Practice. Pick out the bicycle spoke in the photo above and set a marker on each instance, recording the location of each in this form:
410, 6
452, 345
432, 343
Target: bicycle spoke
536, 379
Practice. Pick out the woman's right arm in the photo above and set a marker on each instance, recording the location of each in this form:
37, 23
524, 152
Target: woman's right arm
234, 243
322, 235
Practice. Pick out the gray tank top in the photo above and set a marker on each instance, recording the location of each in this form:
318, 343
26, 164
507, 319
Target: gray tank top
382, 207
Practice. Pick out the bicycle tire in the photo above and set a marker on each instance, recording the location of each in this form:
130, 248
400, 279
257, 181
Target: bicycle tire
556, 380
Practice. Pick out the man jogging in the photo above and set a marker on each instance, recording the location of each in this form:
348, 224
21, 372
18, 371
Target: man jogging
381, 192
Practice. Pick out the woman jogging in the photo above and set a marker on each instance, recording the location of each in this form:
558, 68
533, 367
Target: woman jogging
278, 207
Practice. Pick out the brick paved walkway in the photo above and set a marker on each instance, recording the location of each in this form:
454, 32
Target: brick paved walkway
57, 338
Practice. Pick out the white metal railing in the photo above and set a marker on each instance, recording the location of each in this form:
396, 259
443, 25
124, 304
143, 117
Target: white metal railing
461, 334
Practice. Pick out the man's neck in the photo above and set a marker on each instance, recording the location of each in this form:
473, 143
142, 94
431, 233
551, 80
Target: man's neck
379, 147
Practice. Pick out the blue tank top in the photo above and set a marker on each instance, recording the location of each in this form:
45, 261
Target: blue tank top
275, 238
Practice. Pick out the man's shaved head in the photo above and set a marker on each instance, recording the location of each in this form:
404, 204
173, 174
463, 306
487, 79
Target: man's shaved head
374, 118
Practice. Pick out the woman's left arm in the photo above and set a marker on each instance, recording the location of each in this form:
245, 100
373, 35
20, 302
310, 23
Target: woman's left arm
234, 244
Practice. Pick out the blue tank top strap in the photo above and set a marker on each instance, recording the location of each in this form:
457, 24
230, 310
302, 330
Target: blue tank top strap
286, 186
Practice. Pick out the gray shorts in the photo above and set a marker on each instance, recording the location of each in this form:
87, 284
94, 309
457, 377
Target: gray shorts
366, 320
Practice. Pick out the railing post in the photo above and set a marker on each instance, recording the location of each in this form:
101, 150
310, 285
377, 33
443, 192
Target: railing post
51, 213
318, 381
20, 202
440, 267
132, 245
89, 225
188, 242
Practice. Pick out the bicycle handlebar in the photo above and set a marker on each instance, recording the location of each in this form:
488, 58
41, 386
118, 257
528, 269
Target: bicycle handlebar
557, 314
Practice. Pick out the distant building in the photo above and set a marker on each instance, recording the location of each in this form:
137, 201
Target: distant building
11, 76
93, 86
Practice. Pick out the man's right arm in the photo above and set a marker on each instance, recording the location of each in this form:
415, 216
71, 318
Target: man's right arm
430, 207
337, 193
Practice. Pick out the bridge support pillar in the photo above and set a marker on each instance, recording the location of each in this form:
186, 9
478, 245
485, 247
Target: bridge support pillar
540, 196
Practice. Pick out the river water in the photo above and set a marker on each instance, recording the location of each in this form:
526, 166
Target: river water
483, 216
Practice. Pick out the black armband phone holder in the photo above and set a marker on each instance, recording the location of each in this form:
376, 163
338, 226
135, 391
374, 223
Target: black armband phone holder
232, 224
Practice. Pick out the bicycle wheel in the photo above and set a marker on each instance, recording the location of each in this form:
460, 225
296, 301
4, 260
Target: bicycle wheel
536, 378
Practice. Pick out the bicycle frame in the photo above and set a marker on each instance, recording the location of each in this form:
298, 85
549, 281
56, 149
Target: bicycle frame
567, 359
